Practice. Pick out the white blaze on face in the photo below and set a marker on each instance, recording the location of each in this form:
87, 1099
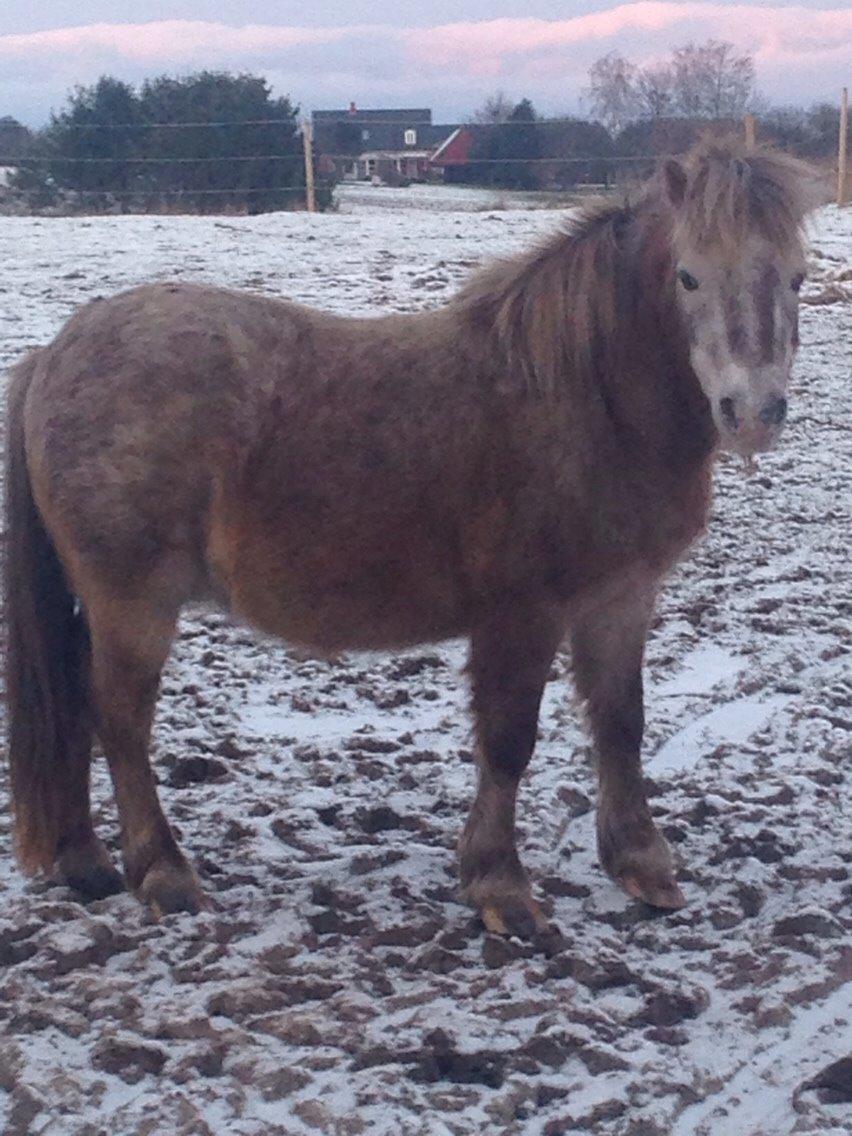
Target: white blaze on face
740, 317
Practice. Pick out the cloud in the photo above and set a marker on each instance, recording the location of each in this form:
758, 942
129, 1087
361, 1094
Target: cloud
165, 41
801, 53
765, 30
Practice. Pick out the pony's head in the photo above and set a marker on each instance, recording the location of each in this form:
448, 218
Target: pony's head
738, 264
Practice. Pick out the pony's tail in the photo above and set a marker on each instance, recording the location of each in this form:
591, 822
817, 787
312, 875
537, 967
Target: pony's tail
47, 655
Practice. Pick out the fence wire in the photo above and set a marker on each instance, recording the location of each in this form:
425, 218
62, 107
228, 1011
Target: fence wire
45, 159
239, 191
574, 159
139, 165
324, 122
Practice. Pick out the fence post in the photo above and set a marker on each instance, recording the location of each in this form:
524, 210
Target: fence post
841, 147
310, 189
750, 132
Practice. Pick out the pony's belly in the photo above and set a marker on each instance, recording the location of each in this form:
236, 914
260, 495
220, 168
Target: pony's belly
368, 606
327, 622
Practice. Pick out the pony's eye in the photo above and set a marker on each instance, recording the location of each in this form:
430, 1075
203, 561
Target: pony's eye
689, 282
797, 281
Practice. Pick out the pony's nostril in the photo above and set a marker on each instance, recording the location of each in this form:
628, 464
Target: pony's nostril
729, 415
774, 411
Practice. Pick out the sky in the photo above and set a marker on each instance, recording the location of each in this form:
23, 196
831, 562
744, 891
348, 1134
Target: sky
445, 54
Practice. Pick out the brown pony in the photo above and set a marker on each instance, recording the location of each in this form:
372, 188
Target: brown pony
521, 466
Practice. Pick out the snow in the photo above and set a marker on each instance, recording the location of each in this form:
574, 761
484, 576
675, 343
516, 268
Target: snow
700, 671
732, 723
747, 746
361, 197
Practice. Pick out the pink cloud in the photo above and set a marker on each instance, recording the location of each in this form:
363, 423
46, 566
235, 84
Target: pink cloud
166, 40
466, 44
802, 54
523, 35
762, 29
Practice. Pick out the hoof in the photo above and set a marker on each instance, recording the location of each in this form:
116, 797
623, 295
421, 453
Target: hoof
521, 917
645, 870
656, 893
495, 884
88, 870
170, 888
505, 904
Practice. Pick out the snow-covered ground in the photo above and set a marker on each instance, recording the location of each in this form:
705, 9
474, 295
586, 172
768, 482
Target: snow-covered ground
339, 988
361, 196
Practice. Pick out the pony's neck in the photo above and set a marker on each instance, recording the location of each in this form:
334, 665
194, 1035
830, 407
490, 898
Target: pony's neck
589, 317
656, 399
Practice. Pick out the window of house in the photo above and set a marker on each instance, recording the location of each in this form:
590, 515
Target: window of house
365, 135
411, 137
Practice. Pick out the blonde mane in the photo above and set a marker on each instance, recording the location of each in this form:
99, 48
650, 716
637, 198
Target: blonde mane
731, 193
560, 309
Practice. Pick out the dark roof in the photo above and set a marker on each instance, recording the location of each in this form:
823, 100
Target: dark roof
420, 116
382, 134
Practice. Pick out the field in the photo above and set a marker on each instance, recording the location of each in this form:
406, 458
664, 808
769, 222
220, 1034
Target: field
339, 988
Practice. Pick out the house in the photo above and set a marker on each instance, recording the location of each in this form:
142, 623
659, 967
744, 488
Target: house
555, 153
381, 144
455, 151
15, 141
8, 194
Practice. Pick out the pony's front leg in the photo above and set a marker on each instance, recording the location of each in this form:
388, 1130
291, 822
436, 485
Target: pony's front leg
608, 642
510, 659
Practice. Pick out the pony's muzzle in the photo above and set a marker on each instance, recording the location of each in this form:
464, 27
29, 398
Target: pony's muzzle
774, 410
747, 429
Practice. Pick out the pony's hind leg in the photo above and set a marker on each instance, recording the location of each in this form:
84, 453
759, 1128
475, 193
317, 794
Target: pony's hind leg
82, 861
130, 643
608, 641
510, 661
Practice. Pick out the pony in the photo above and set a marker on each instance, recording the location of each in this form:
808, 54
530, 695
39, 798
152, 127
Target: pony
520, 466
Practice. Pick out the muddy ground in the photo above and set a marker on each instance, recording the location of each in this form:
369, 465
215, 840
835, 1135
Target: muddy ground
339, 987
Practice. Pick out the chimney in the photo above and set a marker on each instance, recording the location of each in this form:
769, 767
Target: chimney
353, 109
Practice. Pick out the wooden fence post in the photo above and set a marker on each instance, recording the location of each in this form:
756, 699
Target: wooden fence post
841, 147
750, 132
310, 188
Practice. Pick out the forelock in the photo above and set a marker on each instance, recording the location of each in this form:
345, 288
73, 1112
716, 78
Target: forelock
732, 194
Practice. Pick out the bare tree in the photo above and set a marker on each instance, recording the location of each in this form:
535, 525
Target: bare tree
704, 80
711, 80
655, 90
496, 108
612, 91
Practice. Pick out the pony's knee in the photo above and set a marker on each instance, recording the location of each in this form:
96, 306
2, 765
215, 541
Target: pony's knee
507, 746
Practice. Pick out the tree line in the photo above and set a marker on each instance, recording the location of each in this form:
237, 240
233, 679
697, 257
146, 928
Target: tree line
637, 114
162, 147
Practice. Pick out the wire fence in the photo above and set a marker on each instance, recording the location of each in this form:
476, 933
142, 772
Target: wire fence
134, 192
228, 158
143, 179
188, 192
61, 159
146, 181
612, 159
352, 121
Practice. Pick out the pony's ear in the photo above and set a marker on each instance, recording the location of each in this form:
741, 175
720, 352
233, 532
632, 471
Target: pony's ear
674, 178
